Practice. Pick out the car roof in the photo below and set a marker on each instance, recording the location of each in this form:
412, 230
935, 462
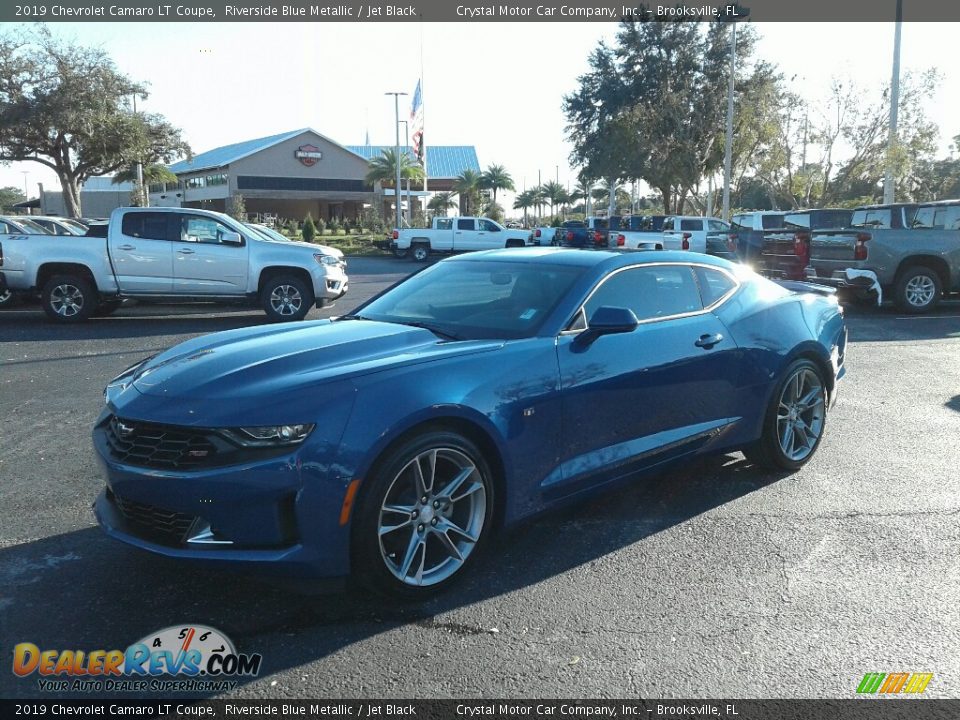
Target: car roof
589, 258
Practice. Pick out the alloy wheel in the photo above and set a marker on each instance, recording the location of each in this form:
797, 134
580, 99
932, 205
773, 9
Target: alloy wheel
800, 414
432, 516
920, 291
286, 300
66, 300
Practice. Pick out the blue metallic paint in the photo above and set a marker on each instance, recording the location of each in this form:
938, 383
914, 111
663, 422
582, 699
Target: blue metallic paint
560, 416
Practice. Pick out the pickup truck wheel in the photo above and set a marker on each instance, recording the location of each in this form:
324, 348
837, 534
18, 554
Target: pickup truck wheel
286, 298
7, 299
420, 252
918, 289
68, 298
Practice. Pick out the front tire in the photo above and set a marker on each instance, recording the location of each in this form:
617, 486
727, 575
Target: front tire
68, 298
286, 298
918, 289
795, 420
424, 517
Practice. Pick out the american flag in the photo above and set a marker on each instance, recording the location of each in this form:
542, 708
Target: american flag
416, 122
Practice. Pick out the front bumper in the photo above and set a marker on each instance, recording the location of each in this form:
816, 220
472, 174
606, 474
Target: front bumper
273, 516
331, 283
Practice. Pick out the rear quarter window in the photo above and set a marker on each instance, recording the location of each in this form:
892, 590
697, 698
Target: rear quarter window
149, 226
771, 222
691, 225
713, 284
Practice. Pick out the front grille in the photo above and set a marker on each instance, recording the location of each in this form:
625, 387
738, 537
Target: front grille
162, 525
159, 446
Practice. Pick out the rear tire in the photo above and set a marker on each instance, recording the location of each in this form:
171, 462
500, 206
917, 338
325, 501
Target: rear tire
8, 299
918, 289
68, 298
420, 252
286, 298
795, 420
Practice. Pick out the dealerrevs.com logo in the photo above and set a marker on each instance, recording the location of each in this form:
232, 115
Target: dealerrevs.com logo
185, 658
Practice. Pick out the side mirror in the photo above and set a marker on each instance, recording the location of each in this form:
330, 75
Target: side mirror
607, 320
231, 238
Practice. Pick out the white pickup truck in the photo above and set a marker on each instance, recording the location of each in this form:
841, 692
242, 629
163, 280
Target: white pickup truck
456, 234
171, 254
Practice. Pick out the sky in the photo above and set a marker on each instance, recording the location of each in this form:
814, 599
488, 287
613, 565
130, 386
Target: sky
497, 86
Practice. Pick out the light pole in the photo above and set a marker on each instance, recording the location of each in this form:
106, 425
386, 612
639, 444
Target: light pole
737, 14
888, 180
144, 196
396, 124
26, 193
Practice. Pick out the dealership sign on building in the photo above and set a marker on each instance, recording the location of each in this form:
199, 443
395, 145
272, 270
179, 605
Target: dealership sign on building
308, 154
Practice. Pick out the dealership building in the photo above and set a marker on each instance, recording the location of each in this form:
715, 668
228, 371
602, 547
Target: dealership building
299, 172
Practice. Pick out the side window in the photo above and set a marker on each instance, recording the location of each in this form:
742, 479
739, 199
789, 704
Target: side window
691, 225
5, 229
952, 220
655, 291
713, 285
742, 222
940, 218
717, 226
146, 225
871, 219
771, 222
444, 224
668, 224
199, 229
923, 219
488, 226
466, 224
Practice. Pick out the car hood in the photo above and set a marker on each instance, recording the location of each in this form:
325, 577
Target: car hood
255, 362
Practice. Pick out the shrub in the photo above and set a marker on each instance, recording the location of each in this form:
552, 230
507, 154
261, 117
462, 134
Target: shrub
309, 229
334, 226
321, 226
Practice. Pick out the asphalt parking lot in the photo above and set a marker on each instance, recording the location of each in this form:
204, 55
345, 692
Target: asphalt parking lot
713, 580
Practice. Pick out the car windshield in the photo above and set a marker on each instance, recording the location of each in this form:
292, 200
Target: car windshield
469, 300
31, 227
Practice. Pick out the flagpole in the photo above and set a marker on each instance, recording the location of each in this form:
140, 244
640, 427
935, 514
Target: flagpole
423, 109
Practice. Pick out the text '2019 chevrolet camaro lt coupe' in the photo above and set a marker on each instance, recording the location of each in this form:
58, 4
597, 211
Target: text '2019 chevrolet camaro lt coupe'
489, 387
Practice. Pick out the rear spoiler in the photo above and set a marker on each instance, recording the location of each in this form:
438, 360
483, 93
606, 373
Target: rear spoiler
805, 287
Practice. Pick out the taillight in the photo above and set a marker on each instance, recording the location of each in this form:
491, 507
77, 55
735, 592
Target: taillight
860, 250
537, 233
396, 234
732, 243
569, 235
801, 247
621, 241
685, 243
597, 237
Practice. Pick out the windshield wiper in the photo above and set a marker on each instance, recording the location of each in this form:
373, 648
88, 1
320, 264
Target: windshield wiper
427, 326
350, 317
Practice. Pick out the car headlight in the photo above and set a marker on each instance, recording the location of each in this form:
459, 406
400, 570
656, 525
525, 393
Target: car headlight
326, 259
270, 435
123, 380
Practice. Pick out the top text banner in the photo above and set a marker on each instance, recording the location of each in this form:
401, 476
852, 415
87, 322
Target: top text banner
477, 11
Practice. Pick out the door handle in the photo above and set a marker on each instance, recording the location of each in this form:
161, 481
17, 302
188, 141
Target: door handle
186, 252
126, 247
708, 341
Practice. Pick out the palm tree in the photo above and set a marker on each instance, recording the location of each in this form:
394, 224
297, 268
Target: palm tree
539, 199
153, 174
383, 169
467, 186
555, 193
441, 202
496, 178
524, 201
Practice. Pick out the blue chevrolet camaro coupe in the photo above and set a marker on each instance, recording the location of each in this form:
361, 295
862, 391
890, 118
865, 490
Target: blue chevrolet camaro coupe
388, 444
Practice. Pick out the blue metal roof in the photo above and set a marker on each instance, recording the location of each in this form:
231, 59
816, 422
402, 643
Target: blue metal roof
221, 156
443, 161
